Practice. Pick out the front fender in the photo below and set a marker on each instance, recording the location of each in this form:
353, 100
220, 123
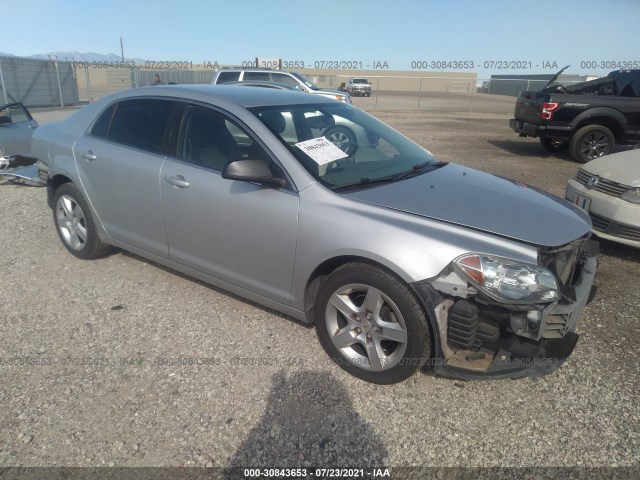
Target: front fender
412, 247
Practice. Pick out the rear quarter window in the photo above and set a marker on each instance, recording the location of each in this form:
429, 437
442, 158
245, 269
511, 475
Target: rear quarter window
100, 129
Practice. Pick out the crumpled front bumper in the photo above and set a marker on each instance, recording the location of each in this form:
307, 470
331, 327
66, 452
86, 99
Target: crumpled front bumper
510, 355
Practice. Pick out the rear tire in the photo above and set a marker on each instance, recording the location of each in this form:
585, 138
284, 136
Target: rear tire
74, 224
590, 142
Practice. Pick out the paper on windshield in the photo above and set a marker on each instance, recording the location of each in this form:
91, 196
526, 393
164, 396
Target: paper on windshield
321, 150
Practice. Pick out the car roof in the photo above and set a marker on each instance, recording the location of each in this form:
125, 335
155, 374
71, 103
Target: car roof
246, 97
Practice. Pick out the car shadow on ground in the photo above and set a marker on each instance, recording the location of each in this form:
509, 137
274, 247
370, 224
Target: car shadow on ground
528, 149
618, 250
309, 421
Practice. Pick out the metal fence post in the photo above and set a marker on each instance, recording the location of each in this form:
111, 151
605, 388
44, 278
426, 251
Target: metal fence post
86, 76
375, 107
473, 89
4, 89
420, 93
55, 63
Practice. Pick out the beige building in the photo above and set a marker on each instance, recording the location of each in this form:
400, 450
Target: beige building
98, 82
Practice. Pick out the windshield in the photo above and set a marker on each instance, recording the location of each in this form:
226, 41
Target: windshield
360, 80
344, 147
304, 80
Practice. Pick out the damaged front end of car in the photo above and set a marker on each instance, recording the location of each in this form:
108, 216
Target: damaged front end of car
498, 317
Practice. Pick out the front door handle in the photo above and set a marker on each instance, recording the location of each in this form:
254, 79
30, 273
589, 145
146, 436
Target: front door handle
177, 181
88, 155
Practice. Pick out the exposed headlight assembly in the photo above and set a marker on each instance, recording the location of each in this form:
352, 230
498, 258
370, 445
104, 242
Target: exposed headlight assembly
632, 195
509, 281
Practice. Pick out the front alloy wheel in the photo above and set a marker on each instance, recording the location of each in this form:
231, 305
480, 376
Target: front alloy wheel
371, 324
366, 327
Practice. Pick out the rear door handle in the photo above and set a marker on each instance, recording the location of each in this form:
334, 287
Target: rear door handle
88, 155
177, 181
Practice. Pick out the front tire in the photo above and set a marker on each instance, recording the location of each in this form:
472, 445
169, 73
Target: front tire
371, 324
590, 142
75, 225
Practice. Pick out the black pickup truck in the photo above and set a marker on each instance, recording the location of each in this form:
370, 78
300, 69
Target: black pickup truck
587, 118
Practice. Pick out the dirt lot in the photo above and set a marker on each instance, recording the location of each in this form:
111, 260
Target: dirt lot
94, 388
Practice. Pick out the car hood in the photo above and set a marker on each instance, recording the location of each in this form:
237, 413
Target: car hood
623, 167
463, 196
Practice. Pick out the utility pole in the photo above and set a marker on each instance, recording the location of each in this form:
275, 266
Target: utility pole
121, 49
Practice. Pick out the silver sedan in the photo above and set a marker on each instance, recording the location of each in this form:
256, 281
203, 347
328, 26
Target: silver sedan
400, 260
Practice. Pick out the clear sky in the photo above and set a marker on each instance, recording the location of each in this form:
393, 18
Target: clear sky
398, 32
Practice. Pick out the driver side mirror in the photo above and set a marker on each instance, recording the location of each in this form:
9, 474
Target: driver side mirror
252, 171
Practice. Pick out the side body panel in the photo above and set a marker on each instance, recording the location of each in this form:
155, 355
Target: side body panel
123, 185
242, 233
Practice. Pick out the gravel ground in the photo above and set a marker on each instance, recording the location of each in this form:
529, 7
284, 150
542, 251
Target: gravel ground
85, 347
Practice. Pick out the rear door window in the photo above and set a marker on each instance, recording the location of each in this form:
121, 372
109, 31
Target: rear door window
141, 123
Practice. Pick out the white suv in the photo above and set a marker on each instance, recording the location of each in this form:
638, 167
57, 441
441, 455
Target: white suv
227, 75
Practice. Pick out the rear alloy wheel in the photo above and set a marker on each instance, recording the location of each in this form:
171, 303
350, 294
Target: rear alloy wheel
590, 142
74, 224
554, 145
371, 324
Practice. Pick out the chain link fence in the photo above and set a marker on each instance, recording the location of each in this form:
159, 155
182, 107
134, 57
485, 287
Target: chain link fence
53, 89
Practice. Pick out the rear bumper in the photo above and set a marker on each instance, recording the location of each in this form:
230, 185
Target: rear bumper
532, 130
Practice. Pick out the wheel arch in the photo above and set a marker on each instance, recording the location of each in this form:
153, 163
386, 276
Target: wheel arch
613, 120
328, 266
53, 184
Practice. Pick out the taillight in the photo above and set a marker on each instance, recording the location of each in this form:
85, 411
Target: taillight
547, 110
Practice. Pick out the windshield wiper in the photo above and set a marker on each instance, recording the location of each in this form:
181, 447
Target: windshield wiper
389, 179
420, 166
364, 181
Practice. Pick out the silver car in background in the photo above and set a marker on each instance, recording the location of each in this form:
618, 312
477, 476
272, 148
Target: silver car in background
294, 79
608, 189
400, 260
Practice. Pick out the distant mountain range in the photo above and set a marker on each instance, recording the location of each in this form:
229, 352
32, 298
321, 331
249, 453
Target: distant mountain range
77, 56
